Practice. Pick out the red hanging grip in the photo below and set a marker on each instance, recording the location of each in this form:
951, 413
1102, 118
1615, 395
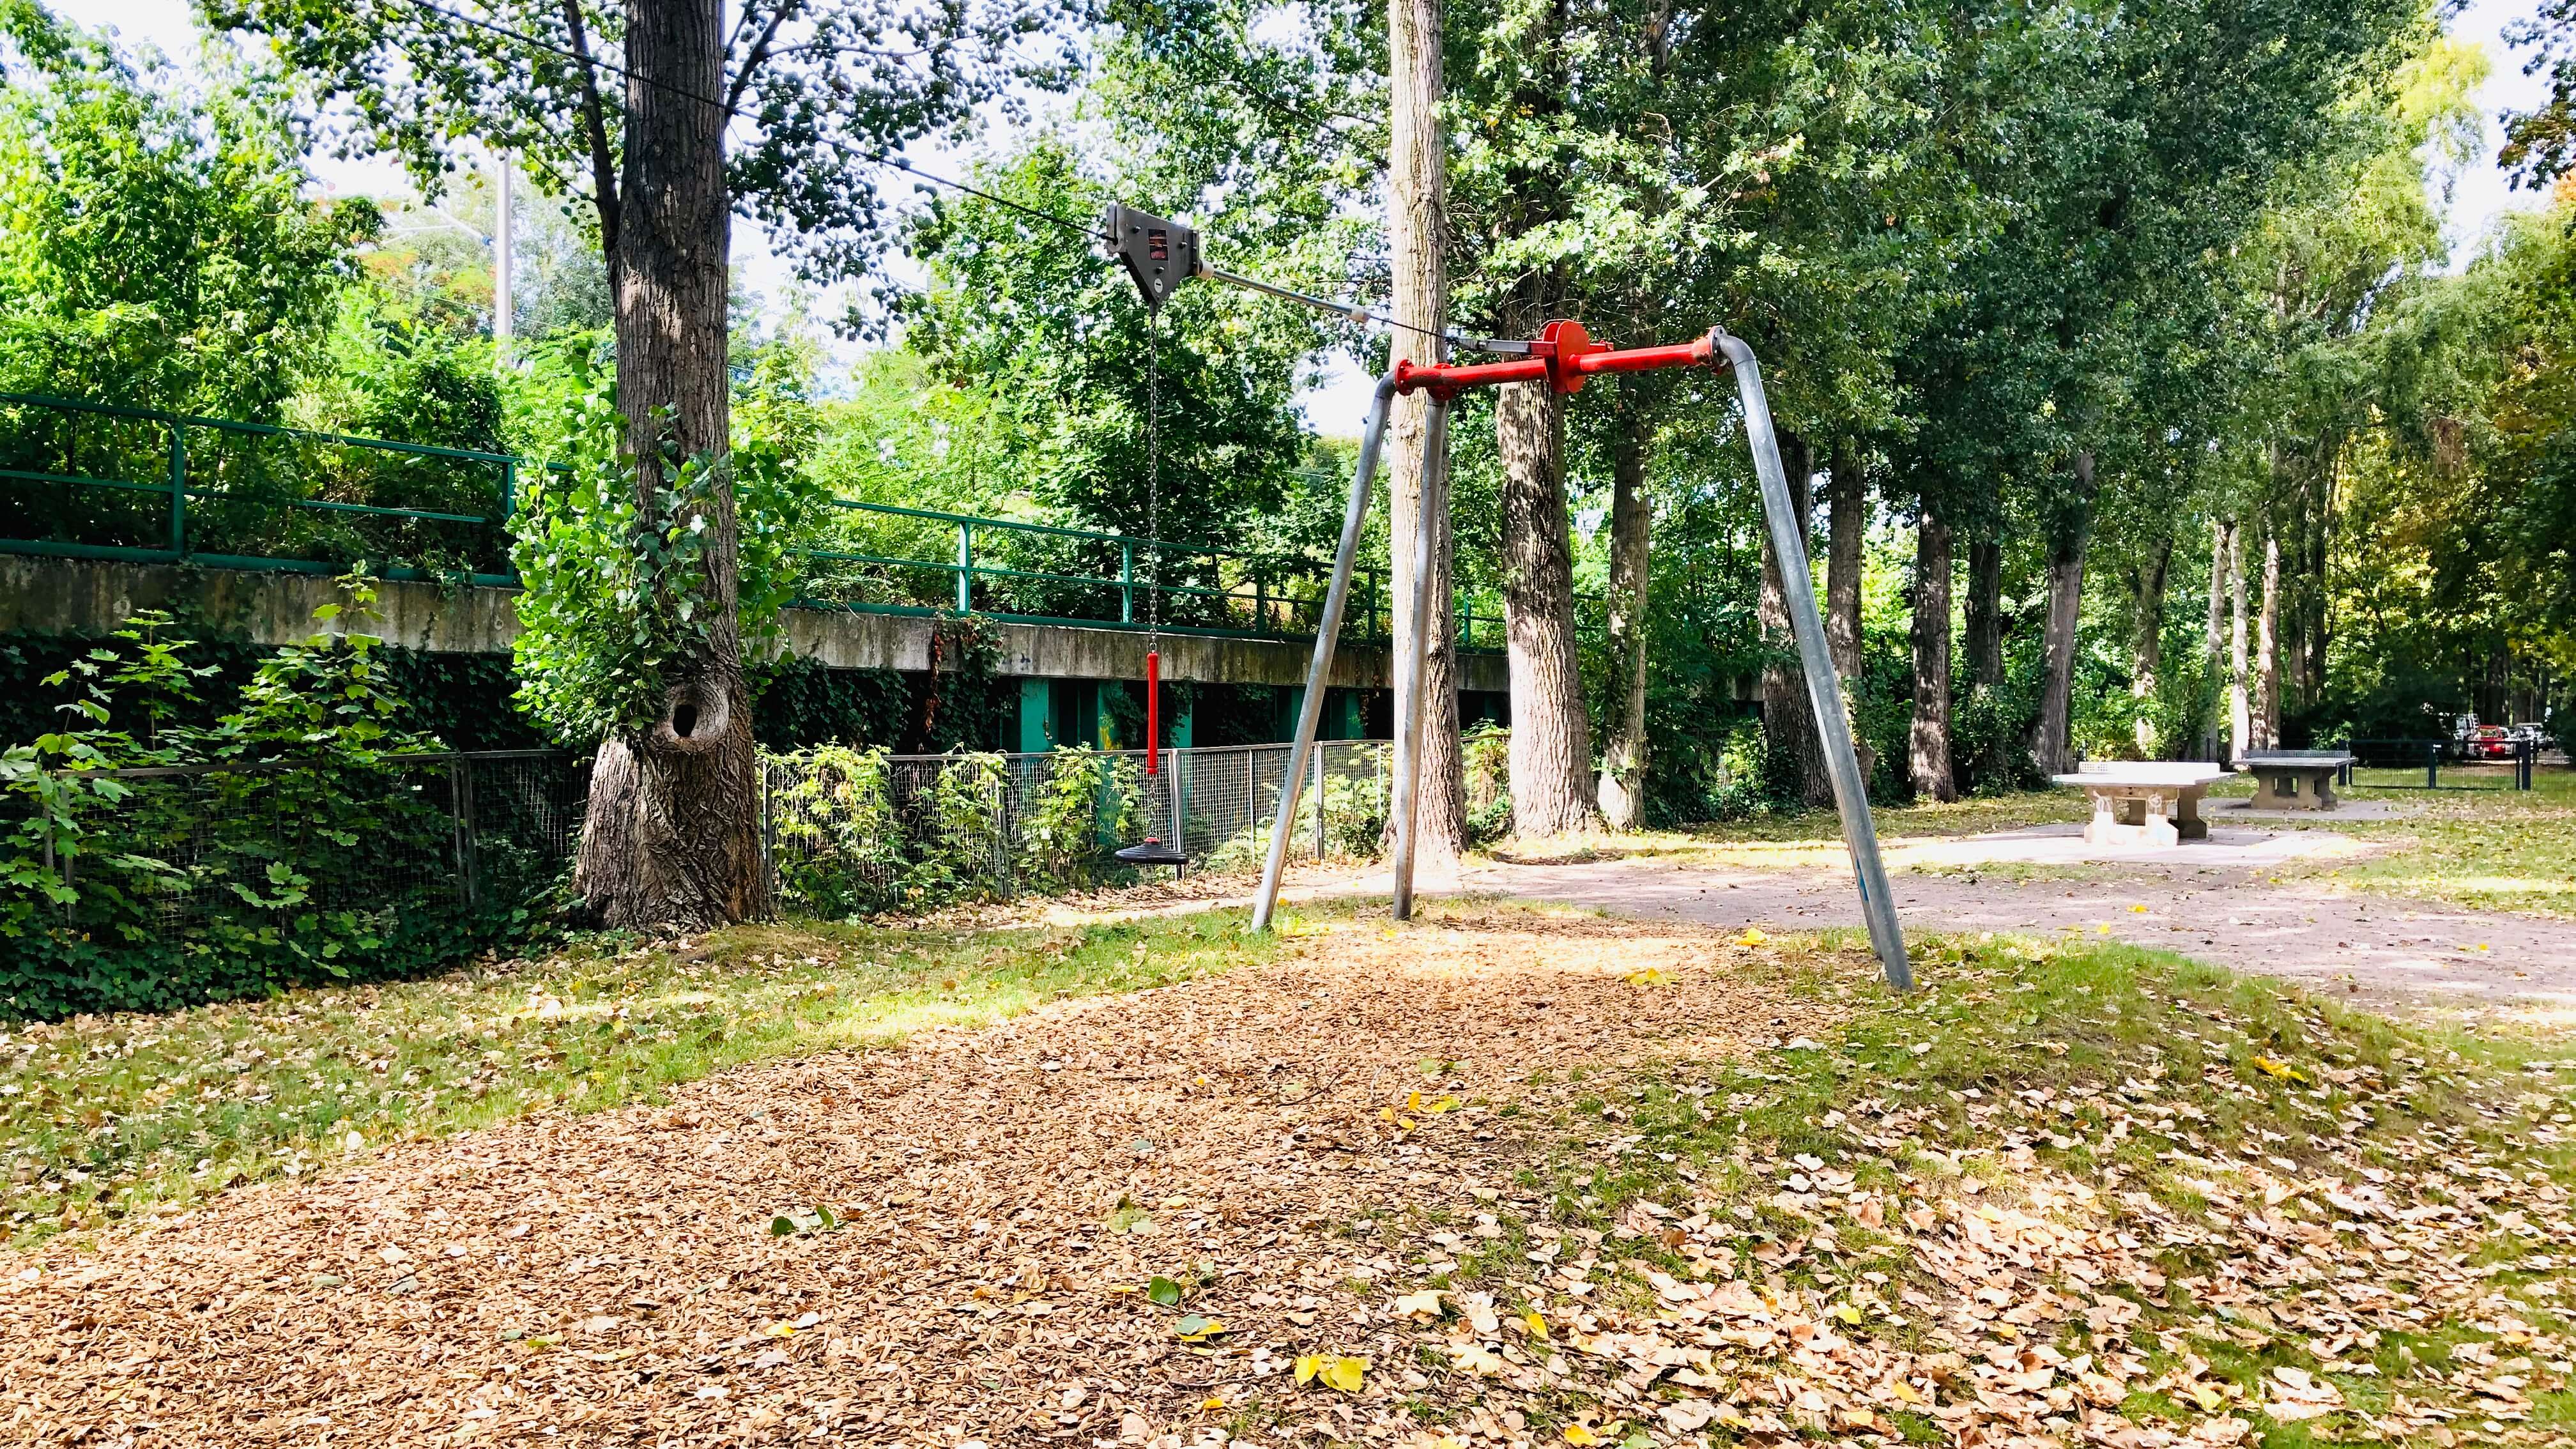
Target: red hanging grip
1153, 711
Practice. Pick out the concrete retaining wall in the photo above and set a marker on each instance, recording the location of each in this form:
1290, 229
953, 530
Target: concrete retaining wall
88, 598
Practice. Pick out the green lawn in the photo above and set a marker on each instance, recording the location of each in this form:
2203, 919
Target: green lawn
2206, 1117
102, 1117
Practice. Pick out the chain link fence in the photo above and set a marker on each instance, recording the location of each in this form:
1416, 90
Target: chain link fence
851, 831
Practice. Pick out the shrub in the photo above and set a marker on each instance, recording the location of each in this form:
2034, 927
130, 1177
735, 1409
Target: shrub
298, 839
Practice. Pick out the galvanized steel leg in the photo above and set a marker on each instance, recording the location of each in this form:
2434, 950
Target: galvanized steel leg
1851, 792
1310, 713
1412, 660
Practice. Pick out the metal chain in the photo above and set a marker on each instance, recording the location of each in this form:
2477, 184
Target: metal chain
1154, 475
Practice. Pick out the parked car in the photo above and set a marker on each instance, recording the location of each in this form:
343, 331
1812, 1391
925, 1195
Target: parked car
2491, 742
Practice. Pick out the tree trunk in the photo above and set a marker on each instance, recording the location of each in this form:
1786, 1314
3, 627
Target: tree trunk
671, 833
2240, 714
1929, 744
2052, 743
1623, 760
1847, 518
2267, 724
2312, 665
1551, 734
2213, 641
2147, 640
1417, 241
1787, 716
1985, 611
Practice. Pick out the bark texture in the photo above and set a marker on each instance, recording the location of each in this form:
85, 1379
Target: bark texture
1984, 611
1847, 523
2267, 716
2214, 638
1928, 745
2240, 713
2147, 638
1417, 241
1787, 716
1551, 734
1847, 527
2052, 745
671, 833
1623, 758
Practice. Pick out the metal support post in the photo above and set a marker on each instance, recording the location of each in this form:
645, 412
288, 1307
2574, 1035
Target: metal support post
179, 488
1319, 805
1412, 659
1851, 792
1310, 711
965, 568
2432, 764
1127, 583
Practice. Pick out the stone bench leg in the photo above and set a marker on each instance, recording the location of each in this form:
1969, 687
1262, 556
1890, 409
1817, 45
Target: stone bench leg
2104, 827
2157, 829
2187, 824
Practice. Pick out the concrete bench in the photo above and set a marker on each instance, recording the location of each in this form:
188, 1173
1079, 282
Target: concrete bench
2130, 800
2293, 779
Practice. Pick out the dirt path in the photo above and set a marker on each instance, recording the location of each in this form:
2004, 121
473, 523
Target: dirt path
613, 1277
2391, 950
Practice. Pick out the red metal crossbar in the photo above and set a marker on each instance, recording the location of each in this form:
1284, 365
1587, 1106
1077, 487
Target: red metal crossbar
1564, 356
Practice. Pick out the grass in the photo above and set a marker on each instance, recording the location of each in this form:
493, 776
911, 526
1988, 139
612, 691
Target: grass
2487, 849
2063, 1042
105, 1117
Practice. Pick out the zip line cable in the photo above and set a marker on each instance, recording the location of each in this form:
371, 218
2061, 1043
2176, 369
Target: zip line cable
1360, 315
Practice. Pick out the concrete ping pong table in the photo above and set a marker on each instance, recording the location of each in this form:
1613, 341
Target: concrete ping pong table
2130, 798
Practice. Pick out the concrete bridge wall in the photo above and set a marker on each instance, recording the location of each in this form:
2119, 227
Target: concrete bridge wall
88, 598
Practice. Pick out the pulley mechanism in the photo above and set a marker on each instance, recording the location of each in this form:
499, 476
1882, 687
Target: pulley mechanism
1159, 255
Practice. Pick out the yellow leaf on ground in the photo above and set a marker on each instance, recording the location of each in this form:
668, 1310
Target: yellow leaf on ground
1344, 1374
2279, 1071
1424, 1304
1577, 1434
1536, 1325
1752, 937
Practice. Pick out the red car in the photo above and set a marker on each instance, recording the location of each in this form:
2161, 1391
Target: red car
2489, 742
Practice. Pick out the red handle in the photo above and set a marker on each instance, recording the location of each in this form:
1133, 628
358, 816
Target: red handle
1564, 356
1153, 711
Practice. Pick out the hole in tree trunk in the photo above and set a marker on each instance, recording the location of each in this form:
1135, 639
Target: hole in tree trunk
684, 719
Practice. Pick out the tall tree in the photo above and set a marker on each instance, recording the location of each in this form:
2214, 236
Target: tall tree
631, 108
1418, 240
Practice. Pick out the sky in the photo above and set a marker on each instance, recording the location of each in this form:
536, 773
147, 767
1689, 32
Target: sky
1339, 403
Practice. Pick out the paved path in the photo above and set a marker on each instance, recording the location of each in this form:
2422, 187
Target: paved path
2389, 949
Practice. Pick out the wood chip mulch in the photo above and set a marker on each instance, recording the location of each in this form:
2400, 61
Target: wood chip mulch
1002, 1199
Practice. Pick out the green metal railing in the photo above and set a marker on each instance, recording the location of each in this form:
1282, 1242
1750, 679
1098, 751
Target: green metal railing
144, 485
95, 480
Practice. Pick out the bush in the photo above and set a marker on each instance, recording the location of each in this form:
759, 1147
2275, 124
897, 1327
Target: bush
298, 839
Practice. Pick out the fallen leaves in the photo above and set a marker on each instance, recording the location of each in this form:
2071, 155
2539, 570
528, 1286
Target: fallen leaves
1333, 1371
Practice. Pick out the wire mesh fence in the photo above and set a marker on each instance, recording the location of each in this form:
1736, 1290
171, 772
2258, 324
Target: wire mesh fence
853, 831
162, 886
197, 882
185, 844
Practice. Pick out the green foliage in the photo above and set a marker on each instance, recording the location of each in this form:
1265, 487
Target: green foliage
614, 597
157, 247
839, 845
1488, 758
1062, 830
288, 867
962, 851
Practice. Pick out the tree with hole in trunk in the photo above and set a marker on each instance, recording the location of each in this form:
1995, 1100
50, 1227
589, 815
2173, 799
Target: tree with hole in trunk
629, 109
